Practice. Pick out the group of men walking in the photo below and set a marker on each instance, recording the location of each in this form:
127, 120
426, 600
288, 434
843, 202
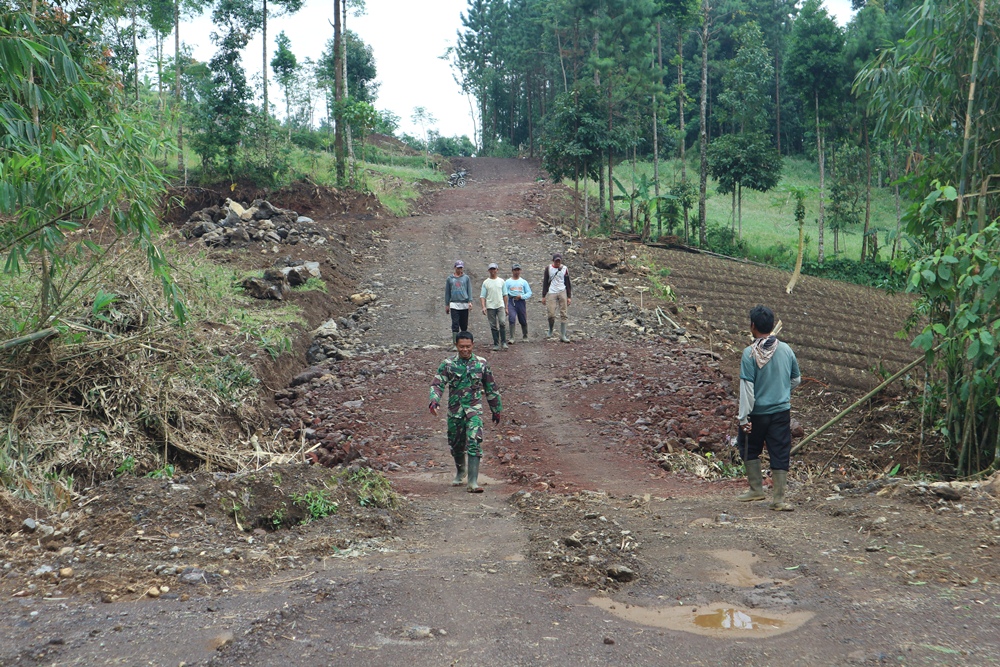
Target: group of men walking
768, 373
505, 302
466, 376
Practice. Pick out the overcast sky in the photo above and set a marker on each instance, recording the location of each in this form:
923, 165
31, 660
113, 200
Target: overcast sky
408, 38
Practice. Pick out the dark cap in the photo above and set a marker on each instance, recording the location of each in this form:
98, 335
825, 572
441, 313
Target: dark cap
516, 267
556, 257
459, 264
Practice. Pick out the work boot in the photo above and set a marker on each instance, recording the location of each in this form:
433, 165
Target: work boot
562, 332
460, 466
474, 474
524, 332
503, 339
511, 329
552, 323
454, 339
496, 339
780, 480
756, 479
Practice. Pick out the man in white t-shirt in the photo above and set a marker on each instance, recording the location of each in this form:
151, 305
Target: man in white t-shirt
493, 297
556, 292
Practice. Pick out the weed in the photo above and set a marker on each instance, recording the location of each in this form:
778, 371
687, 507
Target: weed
314, 284
126, 467
276, 346
278, 516
276, 478
373, 489
166, 472
317, 504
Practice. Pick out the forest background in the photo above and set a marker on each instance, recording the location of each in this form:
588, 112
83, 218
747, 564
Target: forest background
752, 128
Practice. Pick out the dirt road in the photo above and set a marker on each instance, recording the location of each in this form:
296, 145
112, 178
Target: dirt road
582, 550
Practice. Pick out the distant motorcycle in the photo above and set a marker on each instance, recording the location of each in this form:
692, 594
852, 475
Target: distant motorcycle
457, 179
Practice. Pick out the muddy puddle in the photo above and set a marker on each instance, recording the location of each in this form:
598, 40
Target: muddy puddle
738, 570
719, 620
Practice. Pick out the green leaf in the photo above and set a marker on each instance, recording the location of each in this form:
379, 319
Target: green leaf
924, 341
928, 275
939, 329
987, 338
973, 350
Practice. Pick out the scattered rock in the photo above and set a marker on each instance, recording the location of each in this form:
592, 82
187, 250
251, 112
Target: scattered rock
65, 573
947, 492
622, 573
609, 641
29, 525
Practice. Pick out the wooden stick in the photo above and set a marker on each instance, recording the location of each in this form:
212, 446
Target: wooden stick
907, 368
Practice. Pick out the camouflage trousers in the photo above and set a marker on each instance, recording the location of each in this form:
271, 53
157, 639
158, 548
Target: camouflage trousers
465, 435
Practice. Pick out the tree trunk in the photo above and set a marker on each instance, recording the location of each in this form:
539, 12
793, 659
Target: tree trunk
703, 131
600, 181
732, 214
899, 215
586, 204
798, 259
739, 212
967, 134
135, 52
349, 135
681, 98
822, 192
177, 90
868, 192
656, 139
338, 140
611, 159
777, 97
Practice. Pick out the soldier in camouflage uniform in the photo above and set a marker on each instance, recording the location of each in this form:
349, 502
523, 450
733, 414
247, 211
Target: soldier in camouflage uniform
466, 376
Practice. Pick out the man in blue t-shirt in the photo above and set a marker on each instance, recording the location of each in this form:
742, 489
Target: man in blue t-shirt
768, 373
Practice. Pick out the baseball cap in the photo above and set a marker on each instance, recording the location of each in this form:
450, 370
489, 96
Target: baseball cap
516, 266
493, 265
459, 264
556, 256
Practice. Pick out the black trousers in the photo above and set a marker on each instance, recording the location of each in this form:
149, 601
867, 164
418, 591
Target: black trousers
459, 320
774, 431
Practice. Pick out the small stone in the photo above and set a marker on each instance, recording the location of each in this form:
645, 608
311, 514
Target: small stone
65, 573
573, 541
946, 492
622, 573
220, 640
609, 641
418, 632
153, 591
29, 525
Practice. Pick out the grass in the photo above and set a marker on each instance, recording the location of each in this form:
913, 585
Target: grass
768, 225
371, 487
316, 503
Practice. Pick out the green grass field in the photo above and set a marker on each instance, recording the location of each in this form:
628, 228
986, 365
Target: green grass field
768, 220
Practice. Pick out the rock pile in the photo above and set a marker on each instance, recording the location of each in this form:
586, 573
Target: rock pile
277, 281
235, 224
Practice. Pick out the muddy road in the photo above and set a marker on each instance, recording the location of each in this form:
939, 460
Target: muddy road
584, 549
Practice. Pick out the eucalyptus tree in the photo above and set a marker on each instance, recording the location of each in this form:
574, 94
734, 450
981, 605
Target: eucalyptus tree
814, 68
286, 68
182, 9
284, 6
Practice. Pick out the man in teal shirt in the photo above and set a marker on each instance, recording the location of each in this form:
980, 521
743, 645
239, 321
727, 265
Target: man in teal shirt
768, 373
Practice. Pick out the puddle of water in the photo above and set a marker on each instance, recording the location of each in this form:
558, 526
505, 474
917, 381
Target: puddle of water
719, 620
740, 573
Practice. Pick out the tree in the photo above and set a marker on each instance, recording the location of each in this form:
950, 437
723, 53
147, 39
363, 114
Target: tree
285, 67
425, 119
746, 79
362, 85
74, 151
285, 6
814, 66
744, 160
923, 89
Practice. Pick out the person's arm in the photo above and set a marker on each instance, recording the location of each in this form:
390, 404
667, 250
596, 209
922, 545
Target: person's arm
527, 289
482, 297
438, 384
506, 296
545, 284
492, 393
447, 294
748, 374
569, 288
796, 376
468, 289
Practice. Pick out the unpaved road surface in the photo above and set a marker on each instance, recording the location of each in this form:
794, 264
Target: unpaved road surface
531, 572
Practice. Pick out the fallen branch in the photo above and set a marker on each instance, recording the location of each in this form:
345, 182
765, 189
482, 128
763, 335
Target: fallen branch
903, 371
38, 335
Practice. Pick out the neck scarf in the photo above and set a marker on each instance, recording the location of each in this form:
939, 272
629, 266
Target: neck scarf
763, 349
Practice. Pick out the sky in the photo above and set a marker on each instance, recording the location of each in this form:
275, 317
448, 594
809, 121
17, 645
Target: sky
408, 38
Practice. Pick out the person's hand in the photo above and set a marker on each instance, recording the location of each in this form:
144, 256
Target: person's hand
568, 300
447, 310
543, 300
747, 427
434, 408
496, 417
484, 311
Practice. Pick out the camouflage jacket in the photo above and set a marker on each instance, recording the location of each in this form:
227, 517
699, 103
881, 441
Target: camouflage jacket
466, 381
